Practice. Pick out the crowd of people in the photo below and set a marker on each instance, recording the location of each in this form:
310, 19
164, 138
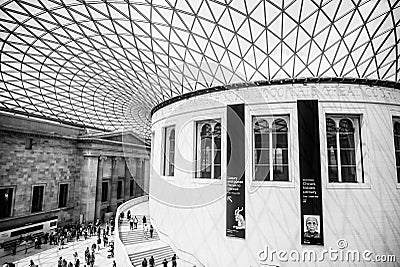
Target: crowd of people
70, 232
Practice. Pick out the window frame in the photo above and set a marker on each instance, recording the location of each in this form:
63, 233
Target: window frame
395, 118
122, 189
59, 194
131, 187
270, 119
43, 202
165, 153
349, 109
108, 191
14, 188
357, 121
274, 110
198, 124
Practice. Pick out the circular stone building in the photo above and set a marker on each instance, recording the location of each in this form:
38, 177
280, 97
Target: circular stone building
264, 173
299, 168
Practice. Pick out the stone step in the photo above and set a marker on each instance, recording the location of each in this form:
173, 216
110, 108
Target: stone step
159, 255
137, 236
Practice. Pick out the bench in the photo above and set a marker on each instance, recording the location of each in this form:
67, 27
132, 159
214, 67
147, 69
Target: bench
10, 244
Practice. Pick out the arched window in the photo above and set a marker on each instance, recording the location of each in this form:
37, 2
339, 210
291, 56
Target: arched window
271, 149
347, 151
169, 151
396, 128
261, 150
208, 149
217, 151
344, 149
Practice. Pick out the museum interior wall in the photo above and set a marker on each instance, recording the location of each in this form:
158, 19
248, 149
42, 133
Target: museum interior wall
357, 150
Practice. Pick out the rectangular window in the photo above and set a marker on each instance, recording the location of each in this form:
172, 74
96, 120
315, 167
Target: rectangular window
6, 200
119, 189
131, 188
344, 151
396, 132
63, 196
104, 191
28, 143
37, 198
208, 149
271, 148
169, 151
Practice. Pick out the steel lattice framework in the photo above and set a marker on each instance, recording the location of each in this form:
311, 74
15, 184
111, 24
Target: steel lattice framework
105, 64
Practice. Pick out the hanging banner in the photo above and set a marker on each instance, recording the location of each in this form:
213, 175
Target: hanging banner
235, 180
310, 173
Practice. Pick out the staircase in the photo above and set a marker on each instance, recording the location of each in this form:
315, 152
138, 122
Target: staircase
159, 255
136, 236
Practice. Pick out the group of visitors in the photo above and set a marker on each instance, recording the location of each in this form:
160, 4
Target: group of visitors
151, 262
61, 235
133, 224
63, 262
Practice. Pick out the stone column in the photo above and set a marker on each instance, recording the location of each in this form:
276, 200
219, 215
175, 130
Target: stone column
127, 182
114, 183
146, 175
88, 177
139, 175
102, 159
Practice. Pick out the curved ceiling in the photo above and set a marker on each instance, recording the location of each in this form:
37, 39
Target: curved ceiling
105, 64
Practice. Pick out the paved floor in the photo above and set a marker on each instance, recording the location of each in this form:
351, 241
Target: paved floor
48, 255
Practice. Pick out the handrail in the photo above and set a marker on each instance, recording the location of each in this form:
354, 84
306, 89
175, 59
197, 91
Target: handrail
120, 254
198, 263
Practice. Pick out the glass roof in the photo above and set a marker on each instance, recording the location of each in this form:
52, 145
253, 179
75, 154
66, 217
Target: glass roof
105, 64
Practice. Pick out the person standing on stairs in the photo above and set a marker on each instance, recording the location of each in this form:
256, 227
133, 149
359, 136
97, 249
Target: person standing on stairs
151, 231
173, 260
135, 222
151, 261
144, 263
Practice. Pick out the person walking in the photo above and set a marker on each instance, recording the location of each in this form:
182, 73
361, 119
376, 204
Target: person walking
135, 222
75, 256
98, 243
87, 254
131, 224
145, 230
114, 264
151, 231
151, 261
144, 220
173, 260
26, 243
165, 263
144, 263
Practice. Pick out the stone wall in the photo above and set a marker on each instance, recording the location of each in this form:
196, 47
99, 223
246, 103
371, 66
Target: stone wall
49, 162
64, 154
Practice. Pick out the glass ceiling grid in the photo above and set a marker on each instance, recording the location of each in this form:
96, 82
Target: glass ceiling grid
104, 65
